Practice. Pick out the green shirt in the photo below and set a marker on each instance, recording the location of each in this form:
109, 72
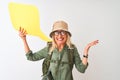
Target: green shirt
64, 71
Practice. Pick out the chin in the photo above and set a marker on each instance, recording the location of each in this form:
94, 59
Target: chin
59, 42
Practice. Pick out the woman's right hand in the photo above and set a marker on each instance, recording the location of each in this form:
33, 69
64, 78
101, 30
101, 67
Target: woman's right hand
22, 33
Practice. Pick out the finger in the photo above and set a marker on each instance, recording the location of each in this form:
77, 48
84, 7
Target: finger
24, 32
20, 28
96, 41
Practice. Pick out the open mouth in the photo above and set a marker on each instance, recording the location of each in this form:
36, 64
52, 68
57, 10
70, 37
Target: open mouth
60, 39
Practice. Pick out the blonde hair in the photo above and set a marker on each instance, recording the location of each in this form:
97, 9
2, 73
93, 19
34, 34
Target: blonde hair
54, 45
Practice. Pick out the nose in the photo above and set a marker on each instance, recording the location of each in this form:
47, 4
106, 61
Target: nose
59, 35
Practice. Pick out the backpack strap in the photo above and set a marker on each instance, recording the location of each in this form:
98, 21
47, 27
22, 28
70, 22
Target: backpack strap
46, 61
46, 64
71, 56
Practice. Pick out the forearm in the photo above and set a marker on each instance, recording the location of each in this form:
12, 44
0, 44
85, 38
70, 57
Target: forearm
85, 55
26, 46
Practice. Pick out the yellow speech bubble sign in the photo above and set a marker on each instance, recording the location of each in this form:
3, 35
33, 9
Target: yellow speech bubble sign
27, 17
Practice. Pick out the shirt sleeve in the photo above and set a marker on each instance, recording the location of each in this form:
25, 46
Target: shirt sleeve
78, 62
37, 55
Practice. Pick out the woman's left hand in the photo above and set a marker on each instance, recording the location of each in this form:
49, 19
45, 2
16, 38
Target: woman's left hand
92, 43
89, 45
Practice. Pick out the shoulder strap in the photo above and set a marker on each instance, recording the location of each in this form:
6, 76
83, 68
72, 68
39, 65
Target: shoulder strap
49, 44
46, 61
71, 56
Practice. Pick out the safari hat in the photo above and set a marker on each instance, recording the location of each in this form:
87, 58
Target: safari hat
60, 25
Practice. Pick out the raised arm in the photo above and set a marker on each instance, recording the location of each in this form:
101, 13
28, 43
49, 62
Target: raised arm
22, 34
86, 50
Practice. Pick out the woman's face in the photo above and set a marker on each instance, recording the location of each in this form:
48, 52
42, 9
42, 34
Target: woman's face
60, 37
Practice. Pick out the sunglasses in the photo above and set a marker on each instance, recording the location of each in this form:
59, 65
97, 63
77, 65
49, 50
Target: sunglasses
56, 33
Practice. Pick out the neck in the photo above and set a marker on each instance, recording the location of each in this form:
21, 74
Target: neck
60, 47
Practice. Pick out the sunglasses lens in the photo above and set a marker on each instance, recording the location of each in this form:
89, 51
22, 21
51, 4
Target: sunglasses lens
63, 33
56, 33
60, 32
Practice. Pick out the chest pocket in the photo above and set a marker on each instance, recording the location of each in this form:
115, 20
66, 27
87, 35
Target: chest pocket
67, 58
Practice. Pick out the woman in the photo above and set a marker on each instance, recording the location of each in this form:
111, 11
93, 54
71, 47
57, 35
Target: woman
61, 42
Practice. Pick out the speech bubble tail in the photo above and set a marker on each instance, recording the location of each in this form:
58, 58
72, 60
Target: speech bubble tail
45, 38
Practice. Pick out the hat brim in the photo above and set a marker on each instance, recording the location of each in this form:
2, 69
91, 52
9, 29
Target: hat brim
56, 30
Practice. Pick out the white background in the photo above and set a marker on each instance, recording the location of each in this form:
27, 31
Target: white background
88, 20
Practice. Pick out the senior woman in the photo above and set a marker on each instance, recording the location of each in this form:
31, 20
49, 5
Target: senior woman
59, 48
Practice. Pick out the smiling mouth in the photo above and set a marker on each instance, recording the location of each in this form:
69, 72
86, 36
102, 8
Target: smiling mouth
61, 39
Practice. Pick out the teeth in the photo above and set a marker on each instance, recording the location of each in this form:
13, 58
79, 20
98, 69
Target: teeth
60, 39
